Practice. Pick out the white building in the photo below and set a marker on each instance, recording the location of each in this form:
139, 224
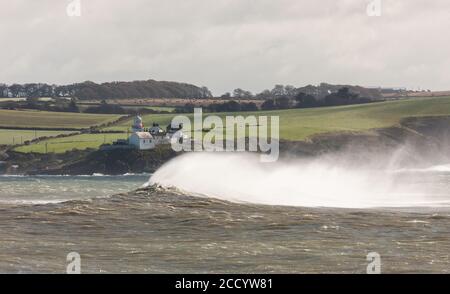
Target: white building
142, 140
137, 126
156, 130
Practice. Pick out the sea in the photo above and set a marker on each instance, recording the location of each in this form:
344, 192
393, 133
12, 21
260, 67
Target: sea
229, 214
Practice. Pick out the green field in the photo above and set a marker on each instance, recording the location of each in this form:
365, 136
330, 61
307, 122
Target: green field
299, 124
84, 106
24, 99
295, 124
43, 119
12, 99
156, 108
12, 137
80, 142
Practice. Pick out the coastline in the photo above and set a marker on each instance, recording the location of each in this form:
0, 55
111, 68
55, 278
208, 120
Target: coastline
426, 134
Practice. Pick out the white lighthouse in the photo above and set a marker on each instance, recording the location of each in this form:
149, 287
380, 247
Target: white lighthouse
141, 138
137, 126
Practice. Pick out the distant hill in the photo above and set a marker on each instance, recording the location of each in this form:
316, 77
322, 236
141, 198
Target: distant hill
111, 90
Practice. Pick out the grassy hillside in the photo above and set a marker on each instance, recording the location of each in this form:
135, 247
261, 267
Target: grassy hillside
298, 124
295, 124
11, 137
80, 142
42, 119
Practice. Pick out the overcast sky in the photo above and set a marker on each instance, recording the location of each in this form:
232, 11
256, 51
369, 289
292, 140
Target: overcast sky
225, 44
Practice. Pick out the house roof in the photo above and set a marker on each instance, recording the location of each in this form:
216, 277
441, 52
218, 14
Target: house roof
143, 135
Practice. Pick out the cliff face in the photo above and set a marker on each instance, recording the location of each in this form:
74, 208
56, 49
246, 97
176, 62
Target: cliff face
120, 161
414, 141
88, 162
116, 162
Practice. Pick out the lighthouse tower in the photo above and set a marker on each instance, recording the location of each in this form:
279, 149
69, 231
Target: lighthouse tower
137, 126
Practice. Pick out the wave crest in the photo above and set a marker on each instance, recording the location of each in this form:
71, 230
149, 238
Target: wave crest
310, 183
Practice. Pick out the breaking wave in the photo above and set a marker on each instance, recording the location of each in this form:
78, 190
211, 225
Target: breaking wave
445, 168
310, 183
33, 201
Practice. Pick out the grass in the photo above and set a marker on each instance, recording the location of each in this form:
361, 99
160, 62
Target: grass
12, 137
12, 99
295, 124
162, 119
130, 107
43, 119
155, 108
80, 142
24, 99
299, 124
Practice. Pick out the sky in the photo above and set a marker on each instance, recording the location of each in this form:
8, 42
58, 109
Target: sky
226, 44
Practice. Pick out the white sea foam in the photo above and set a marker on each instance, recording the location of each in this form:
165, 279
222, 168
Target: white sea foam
444, 168
440, 168
310, 183
33, 201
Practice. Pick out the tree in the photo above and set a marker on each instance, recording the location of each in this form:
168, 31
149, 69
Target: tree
73, 107
250, 106
106, 108
269, 104
278, 91
242, 94
16, 90
226, 95
266, 94
342, 97
290, 91
305, 100
205, 93
282, 103
230, 106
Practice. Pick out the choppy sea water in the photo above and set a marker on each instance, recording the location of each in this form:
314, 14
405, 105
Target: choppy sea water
164, 230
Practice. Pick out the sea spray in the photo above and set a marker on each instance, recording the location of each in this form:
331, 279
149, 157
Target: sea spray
319, 182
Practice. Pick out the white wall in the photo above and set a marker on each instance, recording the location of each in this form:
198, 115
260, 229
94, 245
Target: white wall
142, 144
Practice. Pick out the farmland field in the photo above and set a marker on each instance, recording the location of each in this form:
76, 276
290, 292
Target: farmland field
155, 108
10, 137
80, 142
43, 119
12, 99
299, 124
168, 102
24, 99
295, 124
84, 106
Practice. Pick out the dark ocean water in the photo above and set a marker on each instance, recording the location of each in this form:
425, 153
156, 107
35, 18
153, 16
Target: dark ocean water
161, 230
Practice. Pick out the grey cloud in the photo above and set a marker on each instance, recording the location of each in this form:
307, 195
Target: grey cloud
225, 44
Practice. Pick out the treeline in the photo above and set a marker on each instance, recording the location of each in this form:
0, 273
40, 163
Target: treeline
342, 97
105, 108
301, 100
63, 105
290, 92
112, 90
229, 106
72, 106
163, 89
